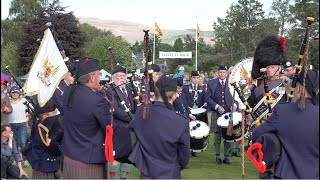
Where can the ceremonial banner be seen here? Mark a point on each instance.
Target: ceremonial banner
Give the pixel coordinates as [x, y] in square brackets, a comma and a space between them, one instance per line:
[182, 55]
[47, 70]
[157, 28]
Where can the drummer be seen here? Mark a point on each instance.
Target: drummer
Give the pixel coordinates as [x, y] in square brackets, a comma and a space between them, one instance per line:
[219, 101]
[180, 104]
[195, 96]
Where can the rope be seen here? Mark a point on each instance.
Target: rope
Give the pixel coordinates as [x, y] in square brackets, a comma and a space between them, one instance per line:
[242, 144]
[230, 125]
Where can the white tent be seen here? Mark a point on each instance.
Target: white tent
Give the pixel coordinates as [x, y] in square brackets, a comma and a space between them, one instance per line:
[104, 75]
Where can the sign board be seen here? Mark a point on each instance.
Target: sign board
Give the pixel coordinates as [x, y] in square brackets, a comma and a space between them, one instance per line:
[174, 55]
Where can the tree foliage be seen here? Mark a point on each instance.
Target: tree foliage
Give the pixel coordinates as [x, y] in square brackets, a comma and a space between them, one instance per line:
[98, 48]
[66, 26]
[280, 10]
[9, 57]
[25, 10]
[11, 31]
[239, 29]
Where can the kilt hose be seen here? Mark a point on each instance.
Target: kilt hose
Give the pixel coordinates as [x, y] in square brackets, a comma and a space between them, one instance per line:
[73, 169]
[42, 175]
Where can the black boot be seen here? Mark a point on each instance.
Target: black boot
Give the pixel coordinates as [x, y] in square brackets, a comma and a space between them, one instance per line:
[194, 154]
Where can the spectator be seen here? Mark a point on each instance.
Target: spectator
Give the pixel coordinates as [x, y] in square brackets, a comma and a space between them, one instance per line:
[9, 152]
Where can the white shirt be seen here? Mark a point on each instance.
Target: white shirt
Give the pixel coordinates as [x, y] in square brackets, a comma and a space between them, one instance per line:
[224, 81]
[18, 114]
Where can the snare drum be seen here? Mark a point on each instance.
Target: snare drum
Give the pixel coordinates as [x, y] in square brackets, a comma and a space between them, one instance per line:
[200, 113]
[223, 123]
[199, 136]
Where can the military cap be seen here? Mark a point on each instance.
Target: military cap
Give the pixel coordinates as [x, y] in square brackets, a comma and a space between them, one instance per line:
[166, 84]
[180, 81]
[223, 67]
[195, 73]
[87, 65]
[155, 68]
[119, 68]
[289, 63]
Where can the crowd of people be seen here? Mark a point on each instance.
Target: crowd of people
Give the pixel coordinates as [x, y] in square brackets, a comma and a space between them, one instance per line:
[90, 129]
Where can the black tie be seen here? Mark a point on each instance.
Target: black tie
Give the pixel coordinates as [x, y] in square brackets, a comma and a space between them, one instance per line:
[124, 92]
[222, 84]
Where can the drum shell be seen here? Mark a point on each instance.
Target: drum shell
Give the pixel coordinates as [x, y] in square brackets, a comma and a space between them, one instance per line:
[199, 139]
[222, 123]
[202, 117]
[236, 133]
[199, 145]
[200, 114]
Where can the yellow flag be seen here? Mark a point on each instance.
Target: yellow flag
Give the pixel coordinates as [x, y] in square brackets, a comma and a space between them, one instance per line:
[158, 29]
[198, 32]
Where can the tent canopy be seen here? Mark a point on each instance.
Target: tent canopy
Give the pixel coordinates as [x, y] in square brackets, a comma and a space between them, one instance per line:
[24, 77]
[104, 75]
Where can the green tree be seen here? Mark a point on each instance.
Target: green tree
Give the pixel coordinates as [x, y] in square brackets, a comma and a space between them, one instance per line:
[280, 11]
[11, 31]
[25, 10]
[137, 47]
[301, 10]
[178, 45]
[238, 30]
[98, 48]
[189, 43]
[157, 47]
[90, 32]
[66, 27]
[9, 57]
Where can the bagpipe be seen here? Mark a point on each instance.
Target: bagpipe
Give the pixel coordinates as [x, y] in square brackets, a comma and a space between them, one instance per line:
[135, 91]
[303, 49]
[148, 80]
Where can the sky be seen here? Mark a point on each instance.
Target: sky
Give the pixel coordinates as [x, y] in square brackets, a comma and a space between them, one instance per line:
[169, 14]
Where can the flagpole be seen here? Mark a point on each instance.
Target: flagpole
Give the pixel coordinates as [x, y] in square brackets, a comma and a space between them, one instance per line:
[154, 40]
[196, 46]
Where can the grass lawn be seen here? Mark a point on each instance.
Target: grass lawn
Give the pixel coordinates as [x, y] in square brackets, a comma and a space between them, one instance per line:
[204, 167]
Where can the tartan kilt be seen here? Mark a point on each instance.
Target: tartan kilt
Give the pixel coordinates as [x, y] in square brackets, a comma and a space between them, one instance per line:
[73, 169]
[214, 126]
[42, 175]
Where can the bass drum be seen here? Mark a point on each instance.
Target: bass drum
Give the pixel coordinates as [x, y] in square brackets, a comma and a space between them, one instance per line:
[241, 74]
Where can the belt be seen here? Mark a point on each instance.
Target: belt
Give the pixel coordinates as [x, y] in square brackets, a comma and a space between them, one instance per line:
[47, 114]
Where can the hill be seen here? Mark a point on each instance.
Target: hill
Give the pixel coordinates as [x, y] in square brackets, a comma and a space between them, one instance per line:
[133, 32]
